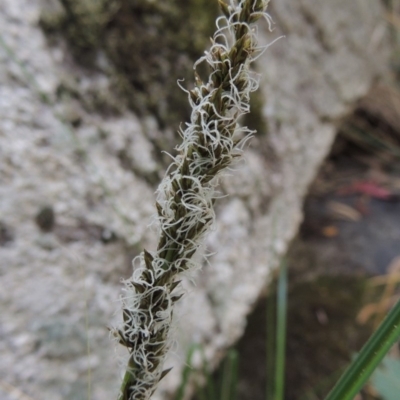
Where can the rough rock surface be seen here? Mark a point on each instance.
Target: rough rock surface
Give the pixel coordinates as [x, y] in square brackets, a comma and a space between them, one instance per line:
[76, 199]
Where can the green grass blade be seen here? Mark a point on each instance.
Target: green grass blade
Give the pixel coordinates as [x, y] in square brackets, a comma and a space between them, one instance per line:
[235, 374]
[229, 376]
[369, 358]
[281, 333]
[186, 372]
[270, 346]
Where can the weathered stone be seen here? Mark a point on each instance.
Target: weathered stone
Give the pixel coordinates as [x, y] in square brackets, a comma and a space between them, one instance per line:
[98, 170]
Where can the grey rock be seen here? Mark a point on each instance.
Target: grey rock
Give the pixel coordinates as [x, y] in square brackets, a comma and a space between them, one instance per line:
[55, 294]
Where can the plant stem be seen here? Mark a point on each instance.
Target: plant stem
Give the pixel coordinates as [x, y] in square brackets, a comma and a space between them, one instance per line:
[369, 358]
[211, 142]
[270, 343]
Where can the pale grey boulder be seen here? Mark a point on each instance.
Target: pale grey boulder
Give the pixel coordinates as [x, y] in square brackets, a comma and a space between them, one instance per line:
[60, 274]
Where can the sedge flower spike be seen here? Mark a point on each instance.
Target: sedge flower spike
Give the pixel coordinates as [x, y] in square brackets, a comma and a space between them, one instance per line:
[211, 141]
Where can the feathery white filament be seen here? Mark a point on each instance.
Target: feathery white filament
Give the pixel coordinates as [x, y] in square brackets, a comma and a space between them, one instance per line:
[211, 142]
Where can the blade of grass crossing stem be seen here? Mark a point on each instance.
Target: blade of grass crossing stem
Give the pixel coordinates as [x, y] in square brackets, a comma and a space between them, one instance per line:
[229, 376]
[369, 358]
[281, 333]
[270, 345]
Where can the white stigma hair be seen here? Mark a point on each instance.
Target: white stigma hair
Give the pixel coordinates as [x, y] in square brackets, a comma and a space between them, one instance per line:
[211, 141]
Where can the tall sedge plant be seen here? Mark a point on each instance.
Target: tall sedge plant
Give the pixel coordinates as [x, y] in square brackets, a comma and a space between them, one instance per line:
[211, 141]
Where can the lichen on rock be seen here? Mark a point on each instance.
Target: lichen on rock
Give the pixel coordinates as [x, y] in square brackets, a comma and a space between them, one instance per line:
[150, 45]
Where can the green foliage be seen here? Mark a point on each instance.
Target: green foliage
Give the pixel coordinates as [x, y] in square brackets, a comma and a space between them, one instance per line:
[222, 385]
[369, 357]
[385, 380]
[212, 140]
[209, 387]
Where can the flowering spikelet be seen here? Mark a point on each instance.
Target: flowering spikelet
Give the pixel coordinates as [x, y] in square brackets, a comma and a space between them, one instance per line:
[211, 141]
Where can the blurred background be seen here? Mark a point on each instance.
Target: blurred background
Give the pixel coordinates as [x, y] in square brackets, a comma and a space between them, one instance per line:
[89, 113]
